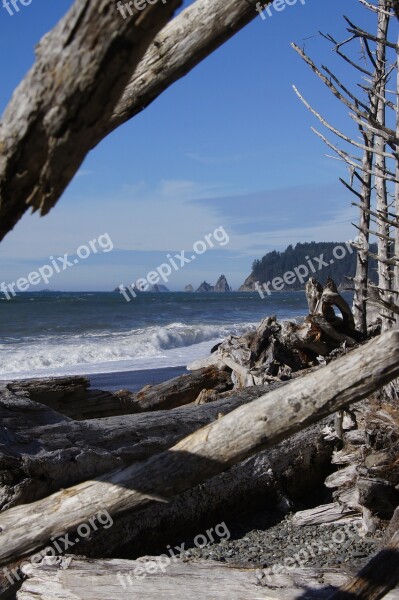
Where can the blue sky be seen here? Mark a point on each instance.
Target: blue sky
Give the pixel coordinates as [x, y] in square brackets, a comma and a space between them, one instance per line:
[229, 145]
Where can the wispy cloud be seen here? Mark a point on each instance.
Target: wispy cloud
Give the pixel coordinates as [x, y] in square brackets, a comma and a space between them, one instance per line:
[83, 173]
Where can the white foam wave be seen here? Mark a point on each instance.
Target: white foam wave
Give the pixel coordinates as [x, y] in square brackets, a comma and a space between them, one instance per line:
[104, 352]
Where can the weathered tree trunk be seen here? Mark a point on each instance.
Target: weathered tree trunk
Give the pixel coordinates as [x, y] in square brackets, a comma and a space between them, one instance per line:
[313, 291]
[384, 276]
[362, 258]
[211, 450]
[83, 67]
[73, 398]
[206, 580]
[329, 298]
[275, 479]
[396, 229]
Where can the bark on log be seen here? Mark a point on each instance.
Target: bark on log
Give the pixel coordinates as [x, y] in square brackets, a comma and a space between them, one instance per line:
[42, 130]
[54, 117]
[45, 452]
[211, 450]
[205, 580]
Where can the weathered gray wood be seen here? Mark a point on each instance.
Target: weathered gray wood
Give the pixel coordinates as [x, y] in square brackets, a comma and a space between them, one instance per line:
[277, 351]
[56, 113]
[313, 291]
[46, 452]
[331, 297]
[274, 479]
[72, 397]
[183, 389]
[85, 36]
[71, 578]
[283, 474]
[343, 477]
[332, 513]
[211, 450]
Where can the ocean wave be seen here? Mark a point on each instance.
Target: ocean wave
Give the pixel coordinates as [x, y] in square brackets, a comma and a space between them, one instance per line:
[170, 345]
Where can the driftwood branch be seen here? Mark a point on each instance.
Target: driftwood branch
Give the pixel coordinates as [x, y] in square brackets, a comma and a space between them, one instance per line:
[209, 451]
[58, 125]
[55, 115]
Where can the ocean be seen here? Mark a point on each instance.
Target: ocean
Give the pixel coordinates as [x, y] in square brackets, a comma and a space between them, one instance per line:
[55, 334]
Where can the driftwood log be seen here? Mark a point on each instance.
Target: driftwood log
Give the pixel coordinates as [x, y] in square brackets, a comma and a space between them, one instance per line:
[183, 389]
[72, 396]
[243, 432]
[148, 578]
[94, 35]
[44, 452]
[82, 68]
[275, 479]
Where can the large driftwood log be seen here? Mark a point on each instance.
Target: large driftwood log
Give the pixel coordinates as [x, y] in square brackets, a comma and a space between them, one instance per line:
[153, 577]
[72, 396]
[55, 115]
[183, 389]
[92, 55]
[211, 450]
[44, 452]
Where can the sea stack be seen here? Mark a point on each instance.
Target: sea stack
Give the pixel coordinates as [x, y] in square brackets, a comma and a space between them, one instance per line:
[189, 288]
[221, 285]
[205, 287]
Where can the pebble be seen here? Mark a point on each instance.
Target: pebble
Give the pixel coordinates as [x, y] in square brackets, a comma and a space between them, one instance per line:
[314, 546]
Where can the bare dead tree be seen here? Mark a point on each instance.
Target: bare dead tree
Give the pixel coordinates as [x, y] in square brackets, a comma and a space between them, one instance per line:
[378, 104]
[371, 174]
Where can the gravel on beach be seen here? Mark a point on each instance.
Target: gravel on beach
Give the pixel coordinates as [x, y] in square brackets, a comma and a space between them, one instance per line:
[263, 546]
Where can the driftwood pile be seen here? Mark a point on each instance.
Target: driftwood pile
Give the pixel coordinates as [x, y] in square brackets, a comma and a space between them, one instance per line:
[164, 462]
[278, 351]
